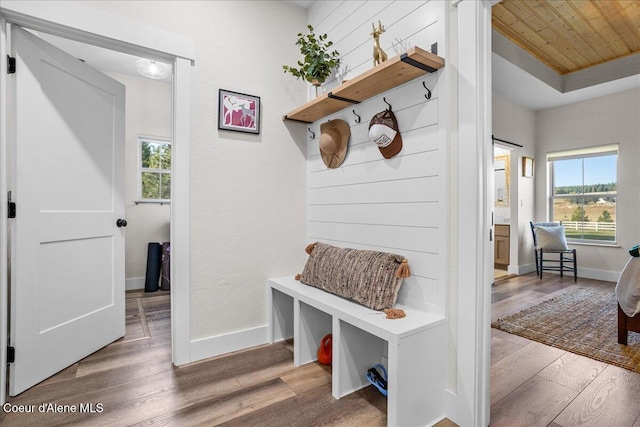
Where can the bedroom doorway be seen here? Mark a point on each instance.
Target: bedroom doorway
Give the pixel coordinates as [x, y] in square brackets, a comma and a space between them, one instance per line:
[502, 186]
[175, 49]
[144, 166]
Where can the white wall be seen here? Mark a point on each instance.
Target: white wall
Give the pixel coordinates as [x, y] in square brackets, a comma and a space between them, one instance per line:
[148, 112]
[515, 123]
[604, 120]
[247, 191]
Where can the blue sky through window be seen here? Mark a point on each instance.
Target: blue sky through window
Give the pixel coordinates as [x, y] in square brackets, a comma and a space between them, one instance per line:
[597, 170]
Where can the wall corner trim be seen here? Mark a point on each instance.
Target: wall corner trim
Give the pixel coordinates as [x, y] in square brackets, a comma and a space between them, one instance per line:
[204, 348]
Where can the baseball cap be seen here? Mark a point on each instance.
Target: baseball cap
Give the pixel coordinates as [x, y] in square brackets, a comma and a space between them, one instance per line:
[383, 131]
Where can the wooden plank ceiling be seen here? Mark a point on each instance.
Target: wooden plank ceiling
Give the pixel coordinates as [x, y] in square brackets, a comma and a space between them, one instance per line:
[570, 35]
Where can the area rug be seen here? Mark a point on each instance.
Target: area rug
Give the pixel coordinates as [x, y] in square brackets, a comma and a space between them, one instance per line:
[582, 321]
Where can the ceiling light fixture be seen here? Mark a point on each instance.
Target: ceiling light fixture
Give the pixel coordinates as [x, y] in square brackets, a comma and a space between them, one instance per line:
[153, 69]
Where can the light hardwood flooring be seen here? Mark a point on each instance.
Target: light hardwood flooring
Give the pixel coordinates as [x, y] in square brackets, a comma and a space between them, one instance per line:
[536, 385]
[134, 381]
[499, 273]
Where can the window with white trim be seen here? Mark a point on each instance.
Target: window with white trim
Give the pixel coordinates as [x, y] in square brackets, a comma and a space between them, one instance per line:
[154, 169]
[584, 192]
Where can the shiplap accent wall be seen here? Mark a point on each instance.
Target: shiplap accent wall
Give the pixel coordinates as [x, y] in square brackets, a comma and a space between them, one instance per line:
[395, 205]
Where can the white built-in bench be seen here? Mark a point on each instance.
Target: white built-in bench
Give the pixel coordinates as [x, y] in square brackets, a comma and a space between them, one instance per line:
[413, 349]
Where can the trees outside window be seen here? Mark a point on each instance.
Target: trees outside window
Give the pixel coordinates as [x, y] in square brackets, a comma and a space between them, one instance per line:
[154, 169]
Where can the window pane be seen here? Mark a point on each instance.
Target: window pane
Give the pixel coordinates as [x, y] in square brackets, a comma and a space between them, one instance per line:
[150, 185]
[152, 154]
[165, 156]
[600, 174]
[603, 225]
[567, 176]
[148, 151]
[573, 229]
[165, 190]
[591, 214]
[563, 209]
[155, 162]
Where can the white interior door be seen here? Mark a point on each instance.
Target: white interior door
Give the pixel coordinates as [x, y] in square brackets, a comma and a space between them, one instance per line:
[67, 264]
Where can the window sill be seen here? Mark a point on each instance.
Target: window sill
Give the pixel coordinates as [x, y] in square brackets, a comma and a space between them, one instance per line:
[157, 202]
[603, 245]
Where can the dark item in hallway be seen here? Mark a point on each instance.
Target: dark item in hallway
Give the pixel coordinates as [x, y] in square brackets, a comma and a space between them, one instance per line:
[154, 263]
[165, 278]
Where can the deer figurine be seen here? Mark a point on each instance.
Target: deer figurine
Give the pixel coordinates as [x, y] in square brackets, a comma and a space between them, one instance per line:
[378, 54]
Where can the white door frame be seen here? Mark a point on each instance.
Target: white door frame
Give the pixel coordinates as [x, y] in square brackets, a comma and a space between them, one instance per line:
[117, 33]
[475, 254]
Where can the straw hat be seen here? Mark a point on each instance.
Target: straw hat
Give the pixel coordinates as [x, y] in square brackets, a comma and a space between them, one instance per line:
[334, 140]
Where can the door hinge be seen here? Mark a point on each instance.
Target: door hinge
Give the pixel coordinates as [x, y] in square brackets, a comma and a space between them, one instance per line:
[11, 354]
[11, 207]
[11, 65]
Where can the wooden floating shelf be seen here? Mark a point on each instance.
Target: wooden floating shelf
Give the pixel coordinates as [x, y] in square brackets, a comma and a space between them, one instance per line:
[391, 73]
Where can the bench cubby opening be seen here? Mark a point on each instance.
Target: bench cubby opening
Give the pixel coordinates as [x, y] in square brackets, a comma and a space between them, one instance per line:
[355, 352]
[314, 325]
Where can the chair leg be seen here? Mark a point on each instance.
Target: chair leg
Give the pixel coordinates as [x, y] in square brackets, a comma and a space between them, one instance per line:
[541, 262]
[561, 265]
[575, 267]
[537, 262]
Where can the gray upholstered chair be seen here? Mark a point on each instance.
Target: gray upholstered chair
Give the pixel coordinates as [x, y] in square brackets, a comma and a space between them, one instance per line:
[551, 249]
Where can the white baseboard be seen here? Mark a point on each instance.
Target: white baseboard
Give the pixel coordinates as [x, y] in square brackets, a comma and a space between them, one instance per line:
[205, 348]
[450, 404]
[525, 269]
[587, 273]
[590, 273]
[134, 283]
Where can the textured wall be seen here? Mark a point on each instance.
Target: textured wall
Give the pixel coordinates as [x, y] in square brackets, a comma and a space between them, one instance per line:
[599, 121]
[247, 208]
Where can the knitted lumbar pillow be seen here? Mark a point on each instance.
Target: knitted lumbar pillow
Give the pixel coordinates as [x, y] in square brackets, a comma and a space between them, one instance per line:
[370, 278]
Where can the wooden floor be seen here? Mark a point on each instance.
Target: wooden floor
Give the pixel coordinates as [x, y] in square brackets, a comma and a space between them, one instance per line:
[135, 383]
[536, 385]
[132, 381]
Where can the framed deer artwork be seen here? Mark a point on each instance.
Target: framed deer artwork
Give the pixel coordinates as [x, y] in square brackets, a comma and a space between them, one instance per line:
[238, 112]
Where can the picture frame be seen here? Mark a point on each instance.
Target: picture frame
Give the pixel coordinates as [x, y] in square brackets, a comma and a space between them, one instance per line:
[238, 112]
[527, 167]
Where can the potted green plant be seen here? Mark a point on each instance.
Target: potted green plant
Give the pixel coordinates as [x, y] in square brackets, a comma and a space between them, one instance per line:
[318, 62]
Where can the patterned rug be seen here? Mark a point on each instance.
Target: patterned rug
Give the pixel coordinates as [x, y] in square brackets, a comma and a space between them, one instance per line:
[581, 320]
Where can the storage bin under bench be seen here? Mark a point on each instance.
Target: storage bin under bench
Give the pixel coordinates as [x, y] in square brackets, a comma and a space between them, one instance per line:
[412, 348]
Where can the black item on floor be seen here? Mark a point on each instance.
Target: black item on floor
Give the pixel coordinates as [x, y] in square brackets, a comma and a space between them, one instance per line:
[154, 261]
[165, 278]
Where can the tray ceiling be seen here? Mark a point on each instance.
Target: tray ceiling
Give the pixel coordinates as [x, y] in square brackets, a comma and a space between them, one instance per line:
[570, 35]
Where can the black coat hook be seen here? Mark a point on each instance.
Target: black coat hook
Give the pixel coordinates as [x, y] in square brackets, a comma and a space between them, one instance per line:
[428, 95]
[385, 101]
[313, 134]
[358, 120]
